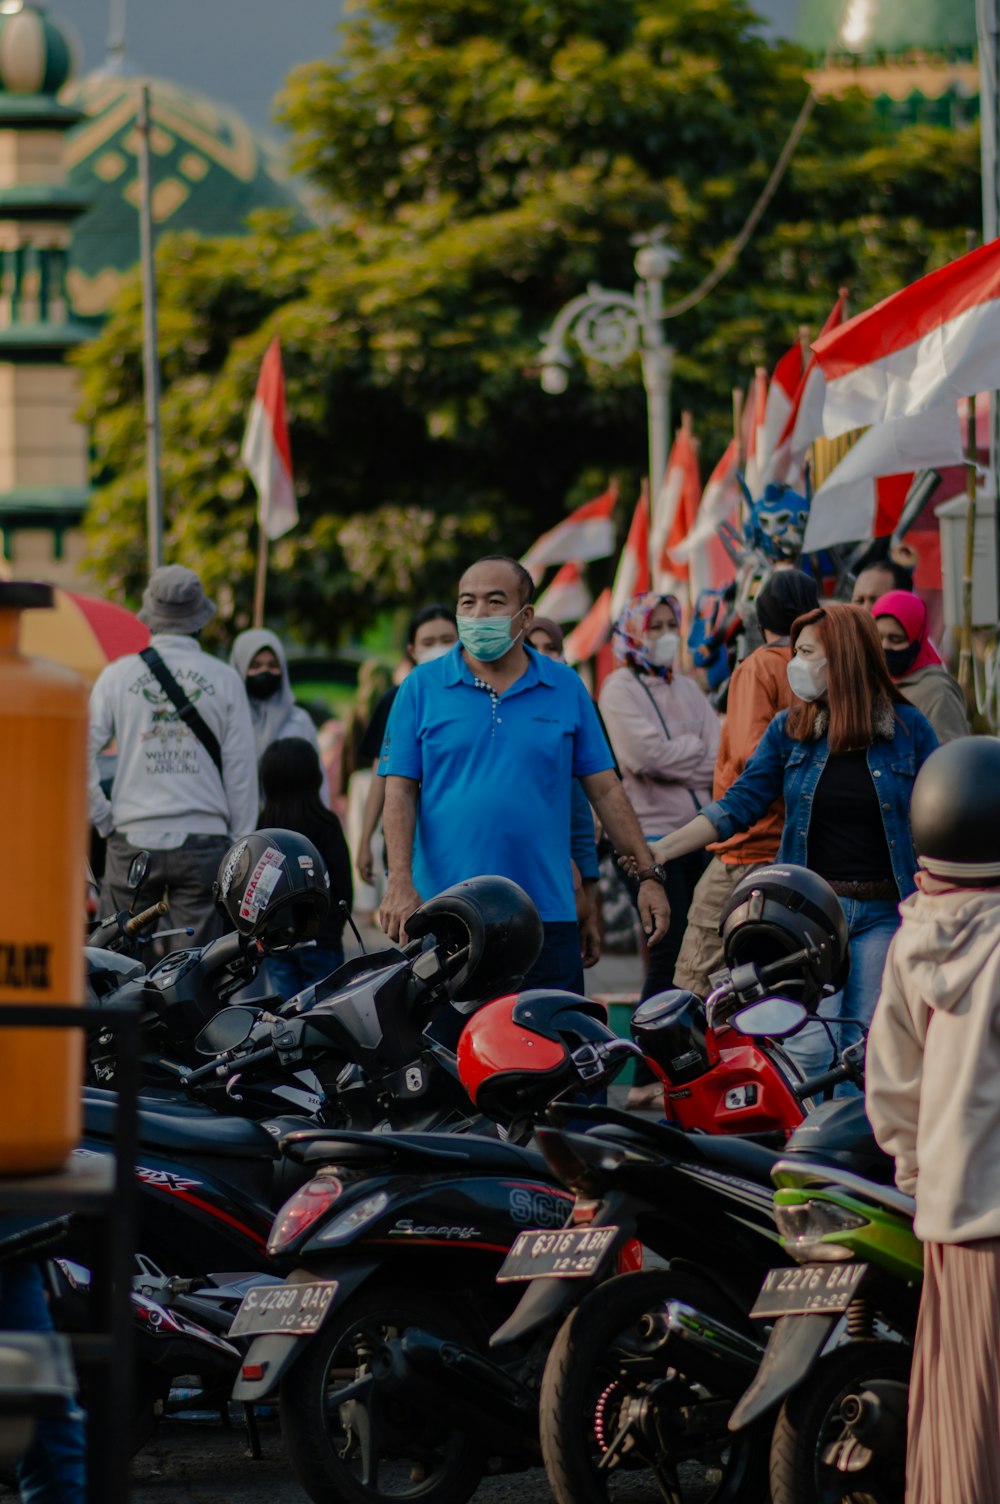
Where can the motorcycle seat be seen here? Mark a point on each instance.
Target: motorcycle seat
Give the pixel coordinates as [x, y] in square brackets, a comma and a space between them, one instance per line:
[738, 1155]
[202, 1134]
[461, 1150]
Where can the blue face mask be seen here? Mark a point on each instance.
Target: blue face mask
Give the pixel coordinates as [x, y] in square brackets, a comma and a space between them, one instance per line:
[487, 637]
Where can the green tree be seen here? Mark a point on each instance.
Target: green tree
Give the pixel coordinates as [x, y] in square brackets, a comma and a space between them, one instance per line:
[477, 164]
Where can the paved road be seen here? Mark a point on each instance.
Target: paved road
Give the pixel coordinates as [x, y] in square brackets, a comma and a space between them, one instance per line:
[202, 1464]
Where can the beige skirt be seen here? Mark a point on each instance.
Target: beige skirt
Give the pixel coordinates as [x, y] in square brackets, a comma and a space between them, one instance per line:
[953, 1447]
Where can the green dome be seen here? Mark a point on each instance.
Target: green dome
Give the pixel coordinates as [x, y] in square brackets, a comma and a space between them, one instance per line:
[869, 26]
[209, 172]
[35, 56]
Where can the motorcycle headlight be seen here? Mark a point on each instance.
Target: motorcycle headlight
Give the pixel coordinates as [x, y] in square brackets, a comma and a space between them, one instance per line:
[806, 1226]
[354, 1218]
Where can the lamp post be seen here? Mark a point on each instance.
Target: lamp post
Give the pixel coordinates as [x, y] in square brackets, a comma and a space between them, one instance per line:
[610, 326]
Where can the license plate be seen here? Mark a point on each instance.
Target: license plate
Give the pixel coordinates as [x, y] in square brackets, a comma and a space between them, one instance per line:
[294, 1310]
[572, 1252]
[809, 1290]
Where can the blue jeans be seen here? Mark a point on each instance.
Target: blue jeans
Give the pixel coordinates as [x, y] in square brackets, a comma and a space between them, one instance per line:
[299, 968]
[560, 964]
[53, 1470]
[870, 927]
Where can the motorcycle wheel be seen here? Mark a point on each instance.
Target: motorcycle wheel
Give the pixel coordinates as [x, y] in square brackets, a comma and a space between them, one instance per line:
[809, 1424]
[389, 1447]
[613, 1409]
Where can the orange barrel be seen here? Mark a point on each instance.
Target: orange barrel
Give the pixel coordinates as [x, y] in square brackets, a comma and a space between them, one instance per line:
[43, 776]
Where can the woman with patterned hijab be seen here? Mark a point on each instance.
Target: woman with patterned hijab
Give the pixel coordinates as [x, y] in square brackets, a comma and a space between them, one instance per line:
[665, 736]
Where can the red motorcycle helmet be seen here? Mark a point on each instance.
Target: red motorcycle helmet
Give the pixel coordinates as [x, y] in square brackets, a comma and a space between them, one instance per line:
[520, 1051]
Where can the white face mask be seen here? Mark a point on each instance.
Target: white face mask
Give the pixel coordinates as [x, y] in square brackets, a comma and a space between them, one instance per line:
[428, 655]
[807, 678]
[663, 649]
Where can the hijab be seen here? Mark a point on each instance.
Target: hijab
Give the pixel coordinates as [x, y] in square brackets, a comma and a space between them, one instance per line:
[911, 613]
[269, 717]
[628, 636]
[552, 630]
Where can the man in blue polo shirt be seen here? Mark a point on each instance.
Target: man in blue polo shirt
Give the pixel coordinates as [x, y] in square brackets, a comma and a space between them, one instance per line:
[479, 757]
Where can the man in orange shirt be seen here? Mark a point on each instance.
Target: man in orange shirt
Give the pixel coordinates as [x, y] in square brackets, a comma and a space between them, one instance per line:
[757, 691]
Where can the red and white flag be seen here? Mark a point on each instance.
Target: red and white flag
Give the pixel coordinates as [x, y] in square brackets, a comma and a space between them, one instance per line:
[932, 342]
[590, 635]
[780, 400]
[721, 501]
[805, 420]
[587, 533]
[863, 496]
[266, 451]
[678, 505]
[632, 575]
[755, 416]
[567, 597]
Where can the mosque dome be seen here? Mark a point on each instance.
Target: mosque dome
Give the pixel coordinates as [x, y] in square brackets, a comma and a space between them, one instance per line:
[35, 55]
[210, 171]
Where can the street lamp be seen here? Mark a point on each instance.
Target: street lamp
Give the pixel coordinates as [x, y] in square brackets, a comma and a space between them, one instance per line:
[610, 326]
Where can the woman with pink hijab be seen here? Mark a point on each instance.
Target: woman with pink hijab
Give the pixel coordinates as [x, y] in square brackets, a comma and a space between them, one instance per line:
[915, 665]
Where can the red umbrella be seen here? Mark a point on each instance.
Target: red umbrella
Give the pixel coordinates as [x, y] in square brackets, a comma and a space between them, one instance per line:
[82, 631]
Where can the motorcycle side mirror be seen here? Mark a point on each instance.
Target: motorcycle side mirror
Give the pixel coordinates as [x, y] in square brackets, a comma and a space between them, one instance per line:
[774, 1017]
[229, 1027]
[137, 872]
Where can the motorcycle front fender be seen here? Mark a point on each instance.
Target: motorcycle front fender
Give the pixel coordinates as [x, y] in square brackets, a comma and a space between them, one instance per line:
[274, 1353]
[796, 1342]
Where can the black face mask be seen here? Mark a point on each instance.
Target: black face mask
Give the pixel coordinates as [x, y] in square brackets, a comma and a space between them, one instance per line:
[263, 685]
[900, 659]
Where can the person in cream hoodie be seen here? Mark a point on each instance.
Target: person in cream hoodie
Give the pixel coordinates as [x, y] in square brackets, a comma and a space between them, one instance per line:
[933, 1098]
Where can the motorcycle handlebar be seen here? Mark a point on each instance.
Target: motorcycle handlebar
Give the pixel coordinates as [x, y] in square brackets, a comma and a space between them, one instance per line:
[221, 1069]
[139, 921]
[832, 1077]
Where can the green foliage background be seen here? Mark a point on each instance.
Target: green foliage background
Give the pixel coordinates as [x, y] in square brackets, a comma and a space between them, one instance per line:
[475, 164]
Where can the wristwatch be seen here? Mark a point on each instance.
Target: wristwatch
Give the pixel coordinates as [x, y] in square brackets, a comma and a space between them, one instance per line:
[656, 873]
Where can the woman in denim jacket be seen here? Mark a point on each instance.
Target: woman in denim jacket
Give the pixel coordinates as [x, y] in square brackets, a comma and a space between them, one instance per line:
[844, 757]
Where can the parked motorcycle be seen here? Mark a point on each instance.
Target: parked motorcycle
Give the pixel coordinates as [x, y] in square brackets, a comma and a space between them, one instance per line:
[377, 1343]
[840, 1434]
[644, 1372]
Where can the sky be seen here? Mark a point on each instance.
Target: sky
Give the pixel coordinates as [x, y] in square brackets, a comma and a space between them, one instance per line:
[237, 51]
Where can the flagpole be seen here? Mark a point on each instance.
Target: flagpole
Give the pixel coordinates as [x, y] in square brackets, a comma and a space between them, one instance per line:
[260, 588]
[965, 675]
[150, 358]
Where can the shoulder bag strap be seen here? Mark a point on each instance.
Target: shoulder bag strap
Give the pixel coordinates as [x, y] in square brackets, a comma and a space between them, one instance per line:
[187, 712]
[666, 733]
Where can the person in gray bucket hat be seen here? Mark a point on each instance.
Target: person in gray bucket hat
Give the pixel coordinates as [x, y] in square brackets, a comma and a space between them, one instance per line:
[185, 786]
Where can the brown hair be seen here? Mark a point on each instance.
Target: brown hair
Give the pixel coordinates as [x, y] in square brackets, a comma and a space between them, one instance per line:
[858, 683]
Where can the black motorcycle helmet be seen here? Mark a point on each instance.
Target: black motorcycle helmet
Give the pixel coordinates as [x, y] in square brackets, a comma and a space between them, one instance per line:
[955, 812]
[275, 888]
[516, 1054]
[669, 1028]
[498, 923]
[776, 911]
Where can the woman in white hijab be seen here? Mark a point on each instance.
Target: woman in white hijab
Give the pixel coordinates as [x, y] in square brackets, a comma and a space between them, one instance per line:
[259, 659]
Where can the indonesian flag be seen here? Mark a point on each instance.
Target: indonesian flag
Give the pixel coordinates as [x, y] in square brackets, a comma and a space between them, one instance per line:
[587, 533]
[678, 504]
[590, 635]
[805, 421]
[266, 452]
[780, 400]
[632, 575]
[567, 598]
[863, 496]
[932, 342]
[756, 416]
[721, 501]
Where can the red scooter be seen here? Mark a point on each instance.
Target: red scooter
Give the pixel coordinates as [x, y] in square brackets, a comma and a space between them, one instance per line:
[716, 1077]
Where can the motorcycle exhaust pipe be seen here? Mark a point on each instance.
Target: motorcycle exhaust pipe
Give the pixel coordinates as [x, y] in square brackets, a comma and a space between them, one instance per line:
[712, 1351]
[502, 1410]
